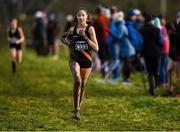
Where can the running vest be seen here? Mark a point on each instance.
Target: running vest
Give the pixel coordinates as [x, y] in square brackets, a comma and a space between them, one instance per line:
[81, 51]
[14, 35]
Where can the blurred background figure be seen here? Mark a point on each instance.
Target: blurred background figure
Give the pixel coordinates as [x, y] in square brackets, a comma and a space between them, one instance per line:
[15, 38]
[39, 33]
[163, 77]
[121, 48]
[174, 53]
[110, 41]
[69, 22]
[114, 52]
[114, 46]
[152, 47]
[136, 40]
[52, 30]
[101, 25]
[139, 22]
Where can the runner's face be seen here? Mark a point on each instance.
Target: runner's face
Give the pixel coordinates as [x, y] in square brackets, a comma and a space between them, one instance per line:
[14, 23]
[82, 16]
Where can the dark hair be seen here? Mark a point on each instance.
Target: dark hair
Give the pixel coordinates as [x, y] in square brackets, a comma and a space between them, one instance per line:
[113, 9]
[14, 19]
[148, 18]
[98, 9]
[161, 16]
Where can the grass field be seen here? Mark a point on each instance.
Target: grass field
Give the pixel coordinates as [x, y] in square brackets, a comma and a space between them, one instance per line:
[39, 97]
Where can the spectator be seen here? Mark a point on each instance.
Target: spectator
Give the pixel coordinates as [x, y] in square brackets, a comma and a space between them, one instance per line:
[102, 29]
[152, 47]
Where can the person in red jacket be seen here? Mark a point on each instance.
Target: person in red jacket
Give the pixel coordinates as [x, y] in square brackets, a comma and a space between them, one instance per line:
[164, 54]
[101, 25]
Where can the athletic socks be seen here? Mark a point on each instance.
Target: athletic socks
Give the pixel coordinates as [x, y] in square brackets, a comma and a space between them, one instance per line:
[13, 67]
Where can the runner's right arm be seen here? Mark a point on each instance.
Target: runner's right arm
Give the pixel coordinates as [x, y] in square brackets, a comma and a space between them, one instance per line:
[65, 37]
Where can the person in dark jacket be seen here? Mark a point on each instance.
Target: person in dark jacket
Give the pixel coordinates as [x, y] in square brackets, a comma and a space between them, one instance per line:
[174, 53]
[152, 47]
[39, 33]
[52, 30]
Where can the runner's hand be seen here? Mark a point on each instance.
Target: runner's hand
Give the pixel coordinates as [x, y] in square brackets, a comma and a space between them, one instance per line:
[82, 33]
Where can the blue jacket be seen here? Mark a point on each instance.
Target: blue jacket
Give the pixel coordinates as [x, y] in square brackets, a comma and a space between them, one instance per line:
[112, 27]
[121, 39]
[139, 24]
[134, 36]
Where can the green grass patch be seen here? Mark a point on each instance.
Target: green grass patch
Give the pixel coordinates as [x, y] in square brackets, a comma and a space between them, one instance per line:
[39, 97]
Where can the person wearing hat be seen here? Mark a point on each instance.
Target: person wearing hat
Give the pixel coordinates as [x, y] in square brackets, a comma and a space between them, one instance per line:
[139, 22]
[134, 34]
[132, 14]
[151, 51]
[121, 46]
[114, 47]
[135, 39]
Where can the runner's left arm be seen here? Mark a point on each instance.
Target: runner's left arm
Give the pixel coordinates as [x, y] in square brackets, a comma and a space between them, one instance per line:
[21, 36]
[93, 40]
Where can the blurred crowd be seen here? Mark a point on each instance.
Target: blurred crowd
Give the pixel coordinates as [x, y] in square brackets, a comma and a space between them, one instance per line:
[44, 32]
[135, 41]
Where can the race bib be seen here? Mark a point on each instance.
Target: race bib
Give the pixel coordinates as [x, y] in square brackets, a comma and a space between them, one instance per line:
[13, 40]
[81, 45]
